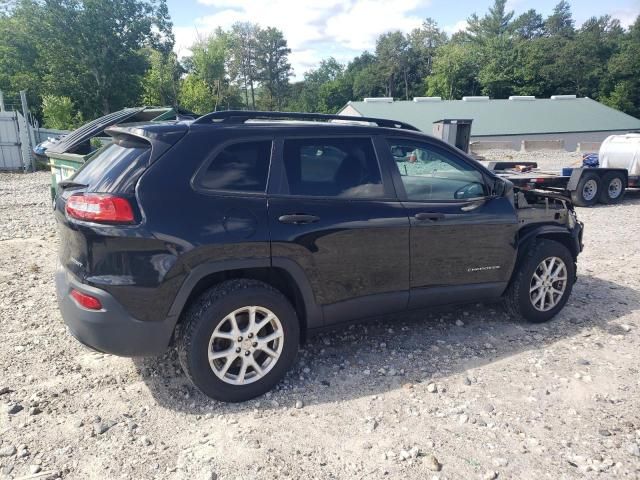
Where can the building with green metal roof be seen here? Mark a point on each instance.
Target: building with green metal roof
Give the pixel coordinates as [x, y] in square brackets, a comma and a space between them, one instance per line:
[562, 117]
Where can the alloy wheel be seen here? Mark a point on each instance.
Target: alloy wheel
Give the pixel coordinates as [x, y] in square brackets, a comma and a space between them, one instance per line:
[246, 345]
[548, 284]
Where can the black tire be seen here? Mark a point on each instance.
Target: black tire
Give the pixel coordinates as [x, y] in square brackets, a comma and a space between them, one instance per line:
[583, 196]
[517, 299]
[209, 311]
[613, 188]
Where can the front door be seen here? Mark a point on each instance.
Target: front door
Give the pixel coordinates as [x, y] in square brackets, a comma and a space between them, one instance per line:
[332, 213]
[463, 241]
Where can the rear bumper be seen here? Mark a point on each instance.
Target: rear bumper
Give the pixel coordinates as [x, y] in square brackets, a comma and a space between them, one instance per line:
[111, 329]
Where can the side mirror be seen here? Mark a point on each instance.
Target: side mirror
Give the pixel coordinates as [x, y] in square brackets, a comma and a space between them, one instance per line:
[499, 188]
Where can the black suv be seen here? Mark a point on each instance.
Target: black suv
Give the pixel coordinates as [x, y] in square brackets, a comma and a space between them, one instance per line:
[236, 234]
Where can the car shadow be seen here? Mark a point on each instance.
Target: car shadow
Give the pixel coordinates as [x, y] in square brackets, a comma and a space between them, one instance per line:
[370, 358]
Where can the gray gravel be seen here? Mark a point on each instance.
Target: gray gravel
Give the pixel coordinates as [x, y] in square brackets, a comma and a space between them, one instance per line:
[552, 161]
[463, 393]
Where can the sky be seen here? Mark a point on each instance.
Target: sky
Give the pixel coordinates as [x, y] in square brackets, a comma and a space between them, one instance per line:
[317, 29]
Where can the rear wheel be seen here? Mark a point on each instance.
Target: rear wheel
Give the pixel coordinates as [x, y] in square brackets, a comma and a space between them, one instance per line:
[613, 187]
[542, 283]
[238, 340]
[587, 191]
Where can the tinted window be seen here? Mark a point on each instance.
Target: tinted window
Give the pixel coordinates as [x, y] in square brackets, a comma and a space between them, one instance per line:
[432, 173]
[115, 169]
[239, 167]
[332, 167]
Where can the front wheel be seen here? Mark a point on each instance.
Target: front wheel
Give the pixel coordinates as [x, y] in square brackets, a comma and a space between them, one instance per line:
[238, 340]
[542, 283]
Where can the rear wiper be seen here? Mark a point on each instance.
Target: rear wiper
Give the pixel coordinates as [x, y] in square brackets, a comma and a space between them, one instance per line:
[70, 184]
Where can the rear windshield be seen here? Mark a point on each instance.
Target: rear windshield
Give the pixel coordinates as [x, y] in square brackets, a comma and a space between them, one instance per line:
[114, 169]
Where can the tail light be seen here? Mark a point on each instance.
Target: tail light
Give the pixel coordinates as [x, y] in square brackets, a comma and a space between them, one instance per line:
[101, 208]
[86, 301]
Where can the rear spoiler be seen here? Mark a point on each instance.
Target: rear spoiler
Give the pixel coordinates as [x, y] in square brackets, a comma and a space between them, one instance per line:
[160, 136]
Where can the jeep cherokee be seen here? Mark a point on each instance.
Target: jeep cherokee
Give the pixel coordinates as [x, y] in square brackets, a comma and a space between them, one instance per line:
[234, 235]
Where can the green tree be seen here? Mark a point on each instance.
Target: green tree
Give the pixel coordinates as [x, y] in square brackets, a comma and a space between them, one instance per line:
[455, 72]
[497, 72]
[335, 94]
[243, 52]
[161, 83]
[195, 95]
[117, 53]
[492, 39]
[493, 24]
[21, 64]
[392, 52]
[560, 22]
[423, 44]
[623, 74]
[366, 78]
[272, 66]
[528, 26]
[327, 71]
[58, 113]
[208, 62]
[585, 58]
[102, 66]
[368, 82]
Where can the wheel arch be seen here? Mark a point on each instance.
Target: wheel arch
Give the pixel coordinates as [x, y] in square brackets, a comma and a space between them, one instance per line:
[551, 232]
[538, 246]
[283, 274]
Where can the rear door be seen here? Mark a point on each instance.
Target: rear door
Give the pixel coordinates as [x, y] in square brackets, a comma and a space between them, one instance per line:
[463, 240]
[333, 211]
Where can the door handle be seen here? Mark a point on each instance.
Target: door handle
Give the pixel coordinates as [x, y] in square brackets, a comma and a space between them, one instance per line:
[429, 216]
[298, 219]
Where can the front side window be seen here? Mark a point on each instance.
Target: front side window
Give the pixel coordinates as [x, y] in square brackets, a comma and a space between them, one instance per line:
[332, 167]
[431, 173]
[239, 167]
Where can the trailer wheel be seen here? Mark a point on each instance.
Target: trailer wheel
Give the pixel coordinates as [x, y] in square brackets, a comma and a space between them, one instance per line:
[613, 188]
[586, 193]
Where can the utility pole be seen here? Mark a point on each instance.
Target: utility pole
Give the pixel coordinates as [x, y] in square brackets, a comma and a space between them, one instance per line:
[1, 101]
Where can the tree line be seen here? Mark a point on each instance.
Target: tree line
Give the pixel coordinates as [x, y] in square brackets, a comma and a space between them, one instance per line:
[79, 59]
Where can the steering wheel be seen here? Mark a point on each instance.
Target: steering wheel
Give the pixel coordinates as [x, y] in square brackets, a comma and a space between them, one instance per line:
[470, 190]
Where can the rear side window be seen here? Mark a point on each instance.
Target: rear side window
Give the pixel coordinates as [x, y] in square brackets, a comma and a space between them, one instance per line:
[332, 167]
[239, 167]
[116, 168]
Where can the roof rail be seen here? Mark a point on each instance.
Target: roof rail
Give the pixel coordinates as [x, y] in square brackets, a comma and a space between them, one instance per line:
[241, 116]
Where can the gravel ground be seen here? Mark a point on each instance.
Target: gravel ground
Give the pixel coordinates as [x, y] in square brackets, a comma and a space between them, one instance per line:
[548, 161]
[463, 393]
